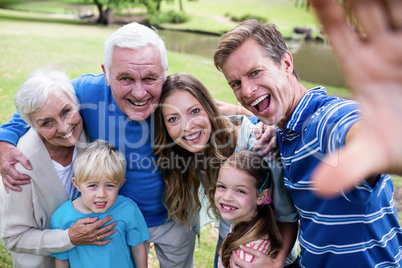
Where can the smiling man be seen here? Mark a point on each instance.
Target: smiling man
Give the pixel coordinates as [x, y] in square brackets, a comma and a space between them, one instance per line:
[359, 228]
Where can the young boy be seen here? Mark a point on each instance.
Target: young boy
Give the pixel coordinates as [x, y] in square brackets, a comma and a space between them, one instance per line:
[99, 171]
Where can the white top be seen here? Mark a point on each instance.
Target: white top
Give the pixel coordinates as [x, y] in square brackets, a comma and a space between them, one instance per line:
[65, 175]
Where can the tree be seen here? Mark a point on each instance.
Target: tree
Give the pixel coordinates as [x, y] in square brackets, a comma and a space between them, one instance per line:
[105, 12]
[107, 8]
[153, 6]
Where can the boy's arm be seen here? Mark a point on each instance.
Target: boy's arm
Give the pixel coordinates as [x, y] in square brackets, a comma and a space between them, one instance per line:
[10, 155]
[140, 255]
[62, 264]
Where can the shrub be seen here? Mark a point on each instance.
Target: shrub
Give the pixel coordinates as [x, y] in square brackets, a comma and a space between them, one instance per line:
[168, 17]
[246, 17]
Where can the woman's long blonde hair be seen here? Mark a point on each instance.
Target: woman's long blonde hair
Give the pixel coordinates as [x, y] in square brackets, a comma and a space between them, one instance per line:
[182, 184]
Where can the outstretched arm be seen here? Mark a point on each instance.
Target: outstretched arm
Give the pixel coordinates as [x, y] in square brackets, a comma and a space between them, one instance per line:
[373, 70]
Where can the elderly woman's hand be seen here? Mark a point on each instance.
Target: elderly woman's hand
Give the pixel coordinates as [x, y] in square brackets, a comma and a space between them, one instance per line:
[89, 231]
[9, 156]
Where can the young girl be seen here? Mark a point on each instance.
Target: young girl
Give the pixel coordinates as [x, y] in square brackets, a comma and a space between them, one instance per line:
[192, 139]
[242, 196]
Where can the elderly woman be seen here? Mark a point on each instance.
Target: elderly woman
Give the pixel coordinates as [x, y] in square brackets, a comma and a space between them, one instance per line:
[47, 102]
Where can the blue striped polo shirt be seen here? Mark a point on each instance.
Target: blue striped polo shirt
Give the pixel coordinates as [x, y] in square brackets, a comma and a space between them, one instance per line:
[357, 229]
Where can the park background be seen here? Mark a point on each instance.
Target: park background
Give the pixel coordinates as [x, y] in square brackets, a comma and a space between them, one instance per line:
[68, 35]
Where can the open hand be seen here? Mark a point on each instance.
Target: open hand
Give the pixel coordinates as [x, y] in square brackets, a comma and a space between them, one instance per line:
[89, 231]
[373, 70]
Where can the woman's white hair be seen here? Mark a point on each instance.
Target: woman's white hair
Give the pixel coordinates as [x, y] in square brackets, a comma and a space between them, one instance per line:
[133, 36]
[34, 92]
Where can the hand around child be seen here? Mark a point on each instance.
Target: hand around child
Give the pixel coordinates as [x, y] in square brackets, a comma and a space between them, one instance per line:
[373, 70]
[261, 260]
[89, 231]
[9, 156]
[268, 141]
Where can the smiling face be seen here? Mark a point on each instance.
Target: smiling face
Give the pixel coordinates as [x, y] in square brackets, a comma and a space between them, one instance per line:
[186, 121]
[97, 196]
[136, 79]
[58, 122]
[261, 85]
[236, 195]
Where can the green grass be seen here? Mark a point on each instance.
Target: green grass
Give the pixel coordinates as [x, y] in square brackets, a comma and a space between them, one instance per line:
[281, 12]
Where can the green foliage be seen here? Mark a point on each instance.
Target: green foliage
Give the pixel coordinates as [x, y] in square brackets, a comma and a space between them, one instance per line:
[246, 17]
[170, 16]
[5, 257]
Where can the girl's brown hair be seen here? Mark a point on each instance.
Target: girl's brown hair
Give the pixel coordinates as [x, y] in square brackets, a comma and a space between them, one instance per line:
[264, 222]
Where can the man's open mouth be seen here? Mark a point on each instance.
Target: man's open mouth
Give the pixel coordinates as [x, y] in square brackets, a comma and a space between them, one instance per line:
[262, 103]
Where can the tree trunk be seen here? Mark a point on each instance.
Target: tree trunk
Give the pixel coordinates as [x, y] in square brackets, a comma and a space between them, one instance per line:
[101, 18]
[181, 5]
[109, 16]
[158, 5]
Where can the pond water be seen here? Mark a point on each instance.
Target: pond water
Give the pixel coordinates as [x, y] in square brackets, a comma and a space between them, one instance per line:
[314, 62]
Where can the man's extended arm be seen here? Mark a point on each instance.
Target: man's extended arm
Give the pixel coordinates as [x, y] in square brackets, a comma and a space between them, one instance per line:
[373, 70]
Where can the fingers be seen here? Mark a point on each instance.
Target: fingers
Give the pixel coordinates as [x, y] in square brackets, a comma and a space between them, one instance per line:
[24, 161]
[259, 130]
[89, 231]
[235, 261]
[99, 239]
[107, 230]
[267, 150]
[341, 35]
[103, 221]
[267, 142]
[372, 17]
[86, 221]
[96, 226]
[395, 9]
[102, 242]
[16, 178]
[251, 251]
[275, 153]
[8, 186]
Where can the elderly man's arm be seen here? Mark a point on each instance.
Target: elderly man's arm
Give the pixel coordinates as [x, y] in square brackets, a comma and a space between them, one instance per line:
[372, 63]
[232, 109]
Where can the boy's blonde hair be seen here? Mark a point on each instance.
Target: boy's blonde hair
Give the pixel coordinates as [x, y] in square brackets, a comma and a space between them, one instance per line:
[98, 159]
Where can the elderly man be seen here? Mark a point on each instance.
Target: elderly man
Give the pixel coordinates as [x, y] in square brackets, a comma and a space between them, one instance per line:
[360, 227]
[116, 106]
